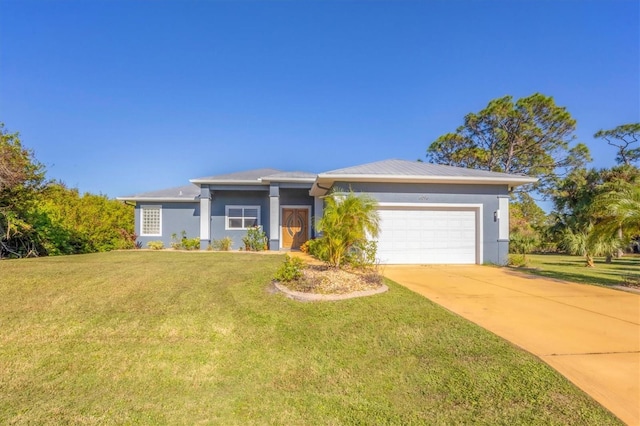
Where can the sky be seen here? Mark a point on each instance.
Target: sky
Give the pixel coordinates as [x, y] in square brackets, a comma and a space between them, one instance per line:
[120, 97]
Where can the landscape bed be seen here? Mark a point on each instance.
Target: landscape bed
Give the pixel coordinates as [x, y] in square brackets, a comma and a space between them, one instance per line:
[186, 338]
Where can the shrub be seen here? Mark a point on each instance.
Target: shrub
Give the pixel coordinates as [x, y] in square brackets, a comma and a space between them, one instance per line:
[223, 244]
[318, 249]
[184, 243]
[155, 245]
[362, 254]
[517, 260]
[255, 240]
[290, 270]
[305, 247]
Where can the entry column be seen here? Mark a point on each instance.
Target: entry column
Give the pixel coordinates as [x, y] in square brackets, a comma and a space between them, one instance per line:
[205, 218]
[274, 217]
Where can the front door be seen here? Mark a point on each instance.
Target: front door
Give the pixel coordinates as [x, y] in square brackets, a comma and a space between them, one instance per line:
[295, 227]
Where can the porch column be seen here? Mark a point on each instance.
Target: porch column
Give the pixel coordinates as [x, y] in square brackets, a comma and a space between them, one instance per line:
[274, 217]
[205, 218]
[318, 207]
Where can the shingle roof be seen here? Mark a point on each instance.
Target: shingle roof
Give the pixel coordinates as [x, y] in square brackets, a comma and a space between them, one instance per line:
[186, 193]
[413, 168]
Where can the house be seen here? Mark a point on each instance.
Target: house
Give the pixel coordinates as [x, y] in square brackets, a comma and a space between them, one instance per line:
[429, 213]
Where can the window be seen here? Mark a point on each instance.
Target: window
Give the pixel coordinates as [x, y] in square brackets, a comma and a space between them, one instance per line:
[242, 217]
[151, 221]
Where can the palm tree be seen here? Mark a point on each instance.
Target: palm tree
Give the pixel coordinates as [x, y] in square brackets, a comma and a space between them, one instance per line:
[589, 243]
[618, 212]
[347, 220]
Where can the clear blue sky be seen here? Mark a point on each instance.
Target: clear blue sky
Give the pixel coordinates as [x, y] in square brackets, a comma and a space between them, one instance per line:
[119, 97]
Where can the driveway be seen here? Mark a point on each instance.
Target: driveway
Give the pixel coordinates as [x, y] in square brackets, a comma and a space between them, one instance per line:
[589, 334]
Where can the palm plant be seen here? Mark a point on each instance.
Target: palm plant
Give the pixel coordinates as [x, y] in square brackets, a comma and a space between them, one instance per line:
[588, 243]
[348, 219]
[618, 211]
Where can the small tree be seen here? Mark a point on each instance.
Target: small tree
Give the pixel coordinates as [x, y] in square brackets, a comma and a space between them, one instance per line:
[348, 220]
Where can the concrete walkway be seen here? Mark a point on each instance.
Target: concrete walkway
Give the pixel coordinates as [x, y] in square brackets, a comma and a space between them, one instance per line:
[589, 334]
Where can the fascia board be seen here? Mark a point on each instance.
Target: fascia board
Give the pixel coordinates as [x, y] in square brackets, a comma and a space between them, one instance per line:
[159, 199]
[226, 182]
[476, 180]
[289, 180]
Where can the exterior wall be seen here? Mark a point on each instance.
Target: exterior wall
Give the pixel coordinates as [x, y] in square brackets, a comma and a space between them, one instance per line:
[221, 199]
[494, 249]
[176, 217]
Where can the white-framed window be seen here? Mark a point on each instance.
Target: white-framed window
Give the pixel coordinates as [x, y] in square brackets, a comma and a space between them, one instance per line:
[242, 217]
[151, 221]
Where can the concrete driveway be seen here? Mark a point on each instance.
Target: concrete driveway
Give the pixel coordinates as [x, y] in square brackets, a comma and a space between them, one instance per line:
[589, 334]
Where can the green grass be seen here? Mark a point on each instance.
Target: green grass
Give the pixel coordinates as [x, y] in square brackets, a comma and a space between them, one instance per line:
[193, 338]
[572, 268]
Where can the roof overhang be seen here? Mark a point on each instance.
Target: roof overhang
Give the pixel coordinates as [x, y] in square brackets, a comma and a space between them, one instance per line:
[324, 181]
[158, 199]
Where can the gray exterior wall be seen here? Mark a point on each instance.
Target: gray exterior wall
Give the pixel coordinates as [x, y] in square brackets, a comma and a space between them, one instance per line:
[176, 217]
[221, 199]
[494, 250]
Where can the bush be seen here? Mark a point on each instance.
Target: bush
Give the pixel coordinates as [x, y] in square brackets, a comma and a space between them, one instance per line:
[155, 245]
[255, 240]
[517, 260]
[305, 247]
[184, 243]
[290, 270]
[362, 254]
[223, 244]
[318, 249]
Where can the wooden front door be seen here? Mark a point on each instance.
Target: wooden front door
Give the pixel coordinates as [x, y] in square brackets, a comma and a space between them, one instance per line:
[295, 227]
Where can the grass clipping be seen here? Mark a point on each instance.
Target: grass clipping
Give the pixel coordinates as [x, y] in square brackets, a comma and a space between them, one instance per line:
[323, 279]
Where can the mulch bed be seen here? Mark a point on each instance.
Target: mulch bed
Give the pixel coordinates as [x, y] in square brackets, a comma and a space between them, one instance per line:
[322, 279]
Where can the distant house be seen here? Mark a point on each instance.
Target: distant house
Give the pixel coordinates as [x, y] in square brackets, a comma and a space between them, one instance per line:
[429, 213]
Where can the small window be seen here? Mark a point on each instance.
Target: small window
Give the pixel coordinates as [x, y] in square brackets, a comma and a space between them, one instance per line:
[151, 221]
[242, 217]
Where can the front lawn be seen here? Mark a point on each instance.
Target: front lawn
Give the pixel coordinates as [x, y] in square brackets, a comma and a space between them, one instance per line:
[572, 268]
[191, 338]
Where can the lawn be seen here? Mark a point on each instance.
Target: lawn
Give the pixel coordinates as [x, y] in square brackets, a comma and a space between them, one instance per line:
[572, 268]
[192, 338]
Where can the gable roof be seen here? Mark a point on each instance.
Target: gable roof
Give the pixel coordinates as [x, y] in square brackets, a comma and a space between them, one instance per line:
[403, 171]
[179, 194]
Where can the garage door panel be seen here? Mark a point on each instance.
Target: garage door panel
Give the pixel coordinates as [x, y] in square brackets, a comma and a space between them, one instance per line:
[417, 236]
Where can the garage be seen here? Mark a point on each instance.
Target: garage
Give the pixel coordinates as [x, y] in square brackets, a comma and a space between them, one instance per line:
[419, 235]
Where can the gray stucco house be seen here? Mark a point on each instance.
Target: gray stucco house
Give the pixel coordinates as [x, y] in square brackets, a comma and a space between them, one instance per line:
[429, 213]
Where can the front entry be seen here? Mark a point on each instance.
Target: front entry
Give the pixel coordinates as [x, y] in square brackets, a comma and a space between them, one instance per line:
[295, 227]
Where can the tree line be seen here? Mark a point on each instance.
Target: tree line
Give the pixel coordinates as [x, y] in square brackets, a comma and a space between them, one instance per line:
[43, 217]
[596, 212]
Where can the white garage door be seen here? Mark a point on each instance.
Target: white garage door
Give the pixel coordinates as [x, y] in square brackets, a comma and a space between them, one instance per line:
[417, 236]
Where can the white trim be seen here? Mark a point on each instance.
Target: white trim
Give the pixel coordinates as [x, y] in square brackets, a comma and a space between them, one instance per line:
[447, 206]
[290, 206]
[159, 200]
[233, 206]
[142, 209]
[327, 180]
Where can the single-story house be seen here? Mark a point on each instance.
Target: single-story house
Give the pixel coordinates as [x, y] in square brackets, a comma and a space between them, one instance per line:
[429, 213]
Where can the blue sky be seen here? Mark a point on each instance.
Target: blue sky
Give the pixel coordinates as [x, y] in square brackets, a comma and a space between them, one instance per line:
[119, 97]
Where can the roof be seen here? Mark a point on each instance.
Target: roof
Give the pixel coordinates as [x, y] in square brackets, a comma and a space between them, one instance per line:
[390, 171]
[245, 177]
[180, 193]
[403, 171]
[290, 177]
